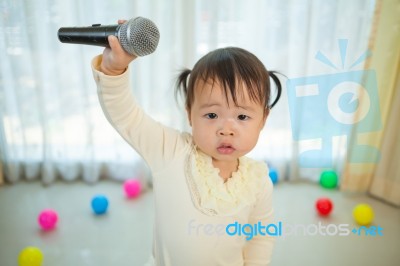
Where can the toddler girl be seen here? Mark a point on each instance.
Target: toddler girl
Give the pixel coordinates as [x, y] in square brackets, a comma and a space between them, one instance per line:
[202, 180]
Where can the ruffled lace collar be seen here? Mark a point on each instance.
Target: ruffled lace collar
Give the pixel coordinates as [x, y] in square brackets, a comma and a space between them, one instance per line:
[211, 195]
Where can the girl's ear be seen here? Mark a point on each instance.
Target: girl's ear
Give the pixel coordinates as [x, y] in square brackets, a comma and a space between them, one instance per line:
[188, 115]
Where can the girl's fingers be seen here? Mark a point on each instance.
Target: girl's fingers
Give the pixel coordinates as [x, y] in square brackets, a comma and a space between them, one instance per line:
[114, 43]
[121, 21]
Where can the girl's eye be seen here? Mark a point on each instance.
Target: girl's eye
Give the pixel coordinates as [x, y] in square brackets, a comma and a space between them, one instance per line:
[243, 117]
[211, 116]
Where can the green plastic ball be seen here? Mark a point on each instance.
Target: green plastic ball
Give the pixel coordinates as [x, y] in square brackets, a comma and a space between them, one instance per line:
[328, 179]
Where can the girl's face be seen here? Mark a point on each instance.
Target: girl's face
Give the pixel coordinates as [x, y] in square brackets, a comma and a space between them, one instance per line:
[225, 132]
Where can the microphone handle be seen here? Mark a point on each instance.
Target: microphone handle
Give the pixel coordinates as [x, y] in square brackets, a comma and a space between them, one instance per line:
[92, 35]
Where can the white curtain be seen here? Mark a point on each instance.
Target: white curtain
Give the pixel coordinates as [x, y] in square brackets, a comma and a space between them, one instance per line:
[51, 123]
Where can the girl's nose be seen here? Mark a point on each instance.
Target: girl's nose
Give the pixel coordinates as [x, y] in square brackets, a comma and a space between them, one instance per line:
[225, 132]
[226, 129]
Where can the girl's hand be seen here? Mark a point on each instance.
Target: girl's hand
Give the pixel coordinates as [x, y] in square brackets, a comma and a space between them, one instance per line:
[115, 59]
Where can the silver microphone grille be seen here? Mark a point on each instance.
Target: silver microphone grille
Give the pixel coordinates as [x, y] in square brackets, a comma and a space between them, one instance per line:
[139, 36]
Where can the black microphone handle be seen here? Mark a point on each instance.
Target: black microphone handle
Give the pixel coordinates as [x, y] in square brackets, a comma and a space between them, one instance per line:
[92, 35]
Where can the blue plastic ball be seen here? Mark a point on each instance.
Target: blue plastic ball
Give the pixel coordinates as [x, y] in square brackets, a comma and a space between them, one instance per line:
[273, 174]
[99, 204]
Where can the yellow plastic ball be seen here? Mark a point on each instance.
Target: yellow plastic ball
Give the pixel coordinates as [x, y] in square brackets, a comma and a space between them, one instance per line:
[363, 214]
[30, 256]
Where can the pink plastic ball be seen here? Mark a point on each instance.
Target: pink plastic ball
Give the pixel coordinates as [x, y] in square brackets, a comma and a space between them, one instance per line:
[132, 188]
[47, 219]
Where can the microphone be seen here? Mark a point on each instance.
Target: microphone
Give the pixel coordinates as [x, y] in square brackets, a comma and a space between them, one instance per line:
[138, 36]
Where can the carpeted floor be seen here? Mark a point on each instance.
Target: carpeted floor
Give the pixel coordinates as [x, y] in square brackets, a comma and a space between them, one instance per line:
[123, 236]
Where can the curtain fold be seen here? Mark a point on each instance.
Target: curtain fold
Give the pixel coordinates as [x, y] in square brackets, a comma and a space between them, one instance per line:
[318, 86]
[52, 125]
[386, 179]
[379, 176]
[1, 173]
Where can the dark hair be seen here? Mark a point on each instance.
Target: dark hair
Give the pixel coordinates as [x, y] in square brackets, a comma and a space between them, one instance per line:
[231, 67]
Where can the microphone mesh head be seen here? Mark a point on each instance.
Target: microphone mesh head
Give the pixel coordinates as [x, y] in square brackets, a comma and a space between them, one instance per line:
[139, 36]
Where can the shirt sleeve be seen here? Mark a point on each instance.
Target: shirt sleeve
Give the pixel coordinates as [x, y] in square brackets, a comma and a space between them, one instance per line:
[258, 250]
[155, 142]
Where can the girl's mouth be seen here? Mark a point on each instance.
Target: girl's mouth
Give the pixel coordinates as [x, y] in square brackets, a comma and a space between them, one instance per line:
[225, 149]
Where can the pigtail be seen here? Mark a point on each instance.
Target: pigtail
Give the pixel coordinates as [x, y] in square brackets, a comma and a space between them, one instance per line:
[181, 84]
[278, 84]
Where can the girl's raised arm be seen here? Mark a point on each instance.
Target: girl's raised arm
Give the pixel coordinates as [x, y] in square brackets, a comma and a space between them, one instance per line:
[155, 142]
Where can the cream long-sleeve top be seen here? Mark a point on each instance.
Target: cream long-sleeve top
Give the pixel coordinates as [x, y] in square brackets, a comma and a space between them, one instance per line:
[193, 204]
